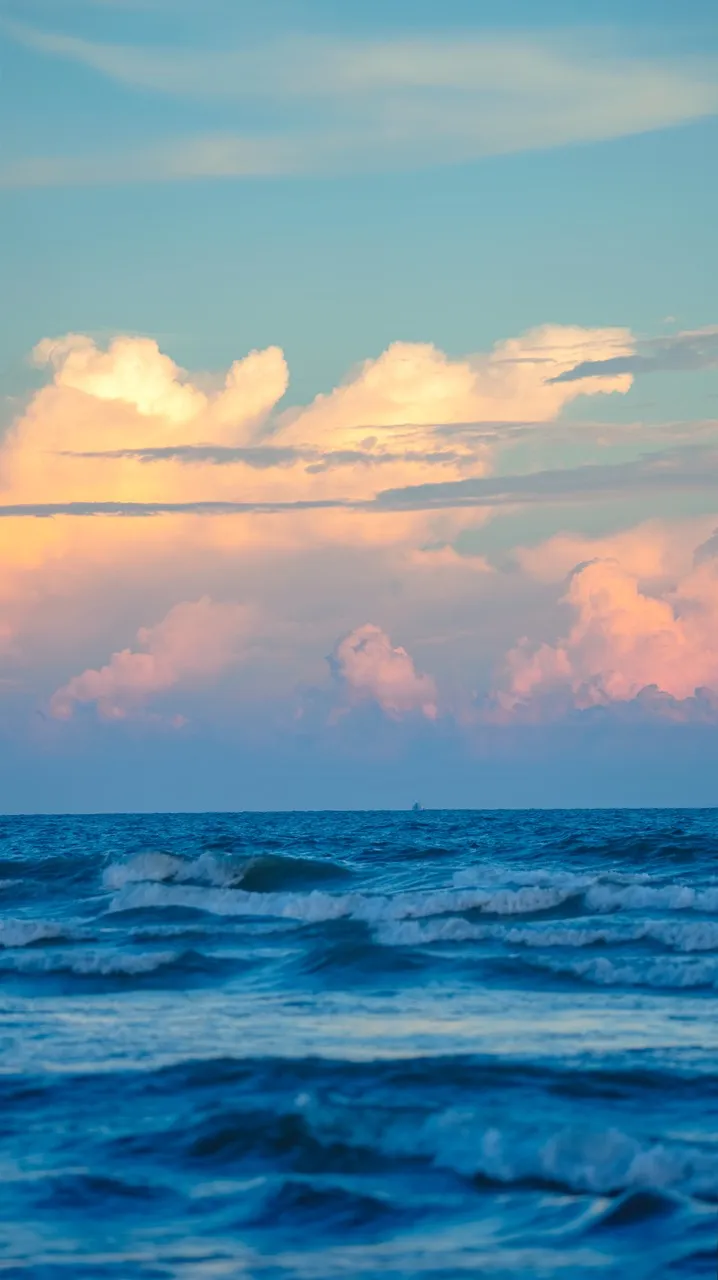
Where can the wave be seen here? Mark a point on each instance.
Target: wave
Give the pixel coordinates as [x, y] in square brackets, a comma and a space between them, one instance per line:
[577, 1159]
[155, 867]
[604, 1162]
[262, 873]
[319, 906]
[27, 933]
[698, 935]
[694, 935]
[97, 963]
[297, 1202]
[379, 911]
[669, 897]
[675, 973]
[544, 877]
[602, 893]
[83, 1190]
[636, 1207]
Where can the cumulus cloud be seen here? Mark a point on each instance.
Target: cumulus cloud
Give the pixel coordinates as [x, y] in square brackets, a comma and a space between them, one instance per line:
[87, 437]
[369, 668]
[621, 641]
[193, 644]
[415, 384]
[135, 372]
[352, 502]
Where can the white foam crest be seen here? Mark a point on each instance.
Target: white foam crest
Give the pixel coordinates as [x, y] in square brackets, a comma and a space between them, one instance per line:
[699, 935]
[416, 933]
[311, 908]
[669, 897]
[569, 936]
[693, 935]
[92, 963]
[478, 877]
[318, 906]
[584, 1159]
[502, 902]
[457, 929]
[143, 867]
[155, 867]
[24, 933]
[667, 971]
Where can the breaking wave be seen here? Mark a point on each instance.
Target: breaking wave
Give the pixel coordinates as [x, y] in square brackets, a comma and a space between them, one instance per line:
[100, 963]
[366, 1044]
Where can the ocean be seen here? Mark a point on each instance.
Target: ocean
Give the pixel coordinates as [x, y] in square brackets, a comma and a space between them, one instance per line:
[324, 1045]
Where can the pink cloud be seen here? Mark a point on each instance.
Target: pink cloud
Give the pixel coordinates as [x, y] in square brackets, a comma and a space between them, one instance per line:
[371, 669]
[194, 643]
[622, 641]
[654, 551]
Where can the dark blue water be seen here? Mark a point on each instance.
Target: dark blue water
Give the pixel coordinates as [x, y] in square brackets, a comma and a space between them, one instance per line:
[346, 1045]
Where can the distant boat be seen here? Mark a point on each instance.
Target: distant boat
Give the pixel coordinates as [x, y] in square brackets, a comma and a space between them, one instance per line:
[417, 808]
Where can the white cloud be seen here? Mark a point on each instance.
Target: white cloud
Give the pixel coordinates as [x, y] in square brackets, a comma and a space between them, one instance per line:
[347, 104]
[415, 383]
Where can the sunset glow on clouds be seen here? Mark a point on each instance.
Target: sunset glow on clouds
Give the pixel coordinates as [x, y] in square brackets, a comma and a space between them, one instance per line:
[369, 666]
[195, 642]
[263, 489]
[357, 404]
[623, 641]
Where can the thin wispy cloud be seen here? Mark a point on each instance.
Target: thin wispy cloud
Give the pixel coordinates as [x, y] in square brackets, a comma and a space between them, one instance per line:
[340, 104]
[671, 470]
[265, 457]
[682, 352]
[677, 470]
[211, 507]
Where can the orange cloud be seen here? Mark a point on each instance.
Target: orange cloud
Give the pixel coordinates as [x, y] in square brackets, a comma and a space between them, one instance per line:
[194, 643]
[134, 372]
[370, 668]
[378, 431]
[81, 438]
[378, 427]
[415, 384]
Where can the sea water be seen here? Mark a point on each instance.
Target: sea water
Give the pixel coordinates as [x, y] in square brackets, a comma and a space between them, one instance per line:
[359, 1044]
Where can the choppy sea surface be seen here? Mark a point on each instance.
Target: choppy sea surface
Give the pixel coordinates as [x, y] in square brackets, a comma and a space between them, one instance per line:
[346, 1045]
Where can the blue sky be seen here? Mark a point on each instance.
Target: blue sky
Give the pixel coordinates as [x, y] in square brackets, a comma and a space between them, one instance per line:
[226, 177]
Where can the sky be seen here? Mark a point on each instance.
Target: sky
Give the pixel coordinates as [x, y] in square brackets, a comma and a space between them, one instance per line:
[358, 404]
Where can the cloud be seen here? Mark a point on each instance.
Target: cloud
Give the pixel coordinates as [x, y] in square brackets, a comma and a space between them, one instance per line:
[376, 491]
[670, 471]
[193, 644]
[682, 469]
[47, 510]
[655, 552]
[622, 641]
[348, 103]
[369, 668]
[415, 383]
[134, 372]
[87, 437]
[683, 352]
[264, 457]
[707, 550]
